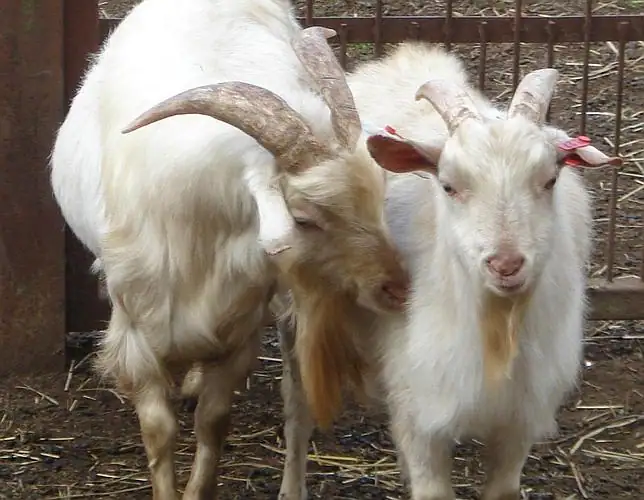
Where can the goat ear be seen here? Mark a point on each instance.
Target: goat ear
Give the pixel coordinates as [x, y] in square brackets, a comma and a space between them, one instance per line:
[401, 156]
[578, 152]
[588, 157]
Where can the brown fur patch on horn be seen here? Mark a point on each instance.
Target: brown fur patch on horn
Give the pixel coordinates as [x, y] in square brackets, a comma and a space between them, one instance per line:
[501, 319]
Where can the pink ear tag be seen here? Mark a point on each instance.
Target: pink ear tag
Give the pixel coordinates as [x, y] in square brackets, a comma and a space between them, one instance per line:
[574, 143]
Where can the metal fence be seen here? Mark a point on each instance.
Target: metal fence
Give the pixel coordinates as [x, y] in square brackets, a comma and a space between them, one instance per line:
[615, 294]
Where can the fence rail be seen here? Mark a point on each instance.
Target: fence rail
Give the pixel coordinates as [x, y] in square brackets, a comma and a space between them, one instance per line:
[472, 29]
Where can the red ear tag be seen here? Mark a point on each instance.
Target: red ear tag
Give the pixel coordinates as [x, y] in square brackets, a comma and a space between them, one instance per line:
[574, 143]
[390, 130]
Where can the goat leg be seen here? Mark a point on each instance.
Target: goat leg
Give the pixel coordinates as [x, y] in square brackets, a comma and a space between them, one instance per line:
[298, 424]
[212, 417]
[506, 452]
[427, 460]
[158, 430]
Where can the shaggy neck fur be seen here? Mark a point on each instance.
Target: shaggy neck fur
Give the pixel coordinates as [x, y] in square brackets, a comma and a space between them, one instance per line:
[329, 355]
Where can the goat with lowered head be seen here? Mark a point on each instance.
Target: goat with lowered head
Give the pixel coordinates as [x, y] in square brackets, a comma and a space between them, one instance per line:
[495, 226]
[182, 212]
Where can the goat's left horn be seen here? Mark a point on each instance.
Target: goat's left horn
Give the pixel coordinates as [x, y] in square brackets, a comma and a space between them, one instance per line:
[315, 54]
[533, 95]
[451, 101]
[258, 112]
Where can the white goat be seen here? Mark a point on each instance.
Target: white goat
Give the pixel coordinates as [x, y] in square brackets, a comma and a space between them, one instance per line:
[180, 214]
[495, 230]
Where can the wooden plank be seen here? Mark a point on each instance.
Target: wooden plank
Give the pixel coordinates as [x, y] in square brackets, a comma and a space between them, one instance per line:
[32, 320]
[623, 299]
[85, 310]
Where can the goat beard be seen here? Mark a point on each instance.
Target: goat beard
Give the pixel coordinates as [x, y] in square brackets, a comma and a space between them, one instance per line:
[327, 348]
[501, 319]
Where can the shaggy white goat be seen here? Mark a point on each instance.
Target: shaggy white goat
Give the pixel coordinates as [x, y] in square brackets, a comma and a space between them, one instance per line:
[181, 213]
[495, 229]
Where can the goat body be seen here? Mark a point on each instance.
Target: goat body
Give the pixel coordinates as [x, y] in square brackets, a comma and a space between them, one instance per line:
[482, 351]
[181, 213]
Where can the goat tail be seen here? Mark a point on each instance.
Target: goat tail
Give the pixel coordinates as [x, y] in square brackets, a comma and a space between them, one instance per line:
[125, 355]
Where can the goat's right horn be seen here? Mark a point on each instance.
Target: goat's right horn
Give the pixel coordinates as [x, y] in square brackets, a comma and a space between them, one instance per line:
[451, 101]
[533, 95]
[254, 110]
[316, 56]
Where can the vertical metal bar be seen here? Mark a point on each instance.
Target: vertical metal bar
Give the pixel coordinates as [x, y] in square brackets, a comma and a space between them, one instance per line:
[309, 13]
[642, 256]
[343, 34]
[449, 15]
[482, 54]
[588, 18]
[612, 213]
[551, 53]
[550, 28]
[377, 34]
[518, 9]
[414, 31]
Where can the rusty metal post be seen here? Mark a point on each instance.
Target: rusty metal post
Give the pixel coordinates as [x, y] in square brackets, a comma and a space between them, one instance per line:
[85, 310]
[32, 269]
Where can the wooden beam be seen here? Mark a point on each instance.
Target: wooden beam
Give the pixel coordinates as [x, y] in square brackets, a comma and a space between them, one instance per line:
[623, 299]
[85, 310]
[32, 269]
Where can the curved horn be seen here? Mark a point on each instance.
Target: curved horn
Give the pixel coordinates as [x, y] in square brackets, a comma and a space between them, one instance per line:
[317, 57]
[533, 95]
[254, 110]
[451, 101]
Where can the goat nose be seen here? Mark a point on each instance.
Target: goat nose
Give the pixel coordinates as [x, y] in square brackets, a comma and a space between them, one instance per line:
[506, 264]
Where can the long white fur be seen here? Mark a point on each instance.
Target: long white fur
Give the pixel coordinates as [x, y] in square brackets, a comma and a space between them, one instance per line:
[429, 363]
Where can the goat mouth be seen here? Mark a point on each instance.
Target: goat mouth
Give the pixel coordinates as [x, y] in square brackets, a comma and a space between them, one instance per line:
[391, 302]
[509, 287]
[382, 301]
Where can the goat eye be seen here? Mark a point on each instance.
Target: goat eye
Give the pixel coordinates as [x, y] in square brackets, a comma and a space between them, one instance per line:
[304, 223]
[449, 189]
[550, 184]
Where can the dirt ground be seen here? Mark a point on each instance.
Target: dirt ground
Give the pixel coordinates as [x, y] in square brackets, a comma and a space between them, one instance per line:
[68, 436]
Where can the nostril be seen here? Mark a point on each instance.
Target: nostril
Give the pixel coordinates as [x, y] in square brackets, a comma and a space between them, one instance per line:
[517, 264]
